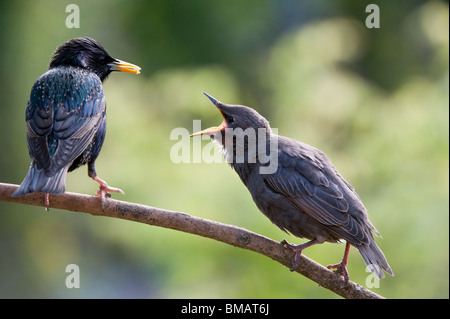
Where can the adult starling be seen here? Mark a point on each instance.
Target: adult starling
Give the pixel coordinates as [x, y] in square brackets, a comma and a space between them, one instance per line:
[66, 117]
[303, 193]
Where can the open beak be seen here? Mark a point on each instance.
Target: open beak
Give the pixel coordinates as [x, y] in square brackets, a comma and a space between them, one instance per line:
[211, 130]
[214, 129]
[123, 66]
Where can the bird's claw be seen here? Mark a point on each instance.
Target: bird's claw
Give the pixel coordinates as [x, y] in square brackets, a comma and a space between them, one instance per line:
[47, 202]
[341, 269]
[298, 253]
[286, 244]
[297, 249]
[104, 190]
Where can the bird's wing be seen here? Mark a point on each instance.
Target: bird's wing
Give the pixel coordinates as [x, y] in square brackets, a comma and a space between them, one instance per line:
[62, 118]
[309, 181]
[39, 121]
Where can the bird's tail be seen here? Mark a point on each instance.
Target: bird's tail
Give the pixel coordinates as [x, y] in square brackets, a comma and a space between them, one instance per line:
[38, 180]
[374, 259]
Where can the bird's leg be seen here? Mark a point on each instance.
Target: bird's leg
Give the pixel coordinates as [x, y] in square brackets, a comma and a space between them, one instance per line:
[298, 250]
[103, 189]
[343, 264]
[47, 202]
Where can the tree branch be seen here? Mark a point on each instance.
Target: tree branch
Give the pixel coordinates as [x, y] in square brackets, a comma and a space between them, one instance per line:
[232, 235]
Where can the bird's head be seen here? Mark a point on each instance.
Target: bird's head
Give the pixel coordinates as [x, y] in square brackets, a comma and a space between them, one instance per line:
[238, 120]
[89, 54]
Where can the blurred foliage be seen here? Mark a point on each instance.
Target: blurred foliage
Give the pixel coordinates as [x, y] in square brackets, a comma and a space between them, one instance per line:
[375, 100]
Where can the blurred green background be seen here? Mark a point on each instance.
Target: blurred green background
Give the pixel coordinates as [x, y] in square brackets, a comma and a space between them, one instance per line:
[376, 101]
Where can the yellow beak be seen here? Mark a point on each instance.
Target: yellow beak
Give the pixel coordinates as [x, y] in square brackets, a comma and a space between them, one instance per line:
[211, 130]
[123, 66]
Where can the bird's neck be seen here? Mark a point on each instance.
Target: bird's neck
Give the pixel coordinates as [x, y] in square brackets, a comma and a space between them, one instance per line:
[246, 154]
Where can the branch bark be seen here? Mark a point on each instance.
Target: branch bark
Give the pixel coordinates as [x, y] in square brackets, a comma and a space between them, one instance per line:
[232, 235]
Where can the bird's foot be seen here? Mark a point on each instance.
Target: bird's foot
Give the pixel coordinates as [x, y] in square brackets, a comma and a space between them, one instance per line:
[341, 268]
[104, 190]
[298, 250]
[47, 202]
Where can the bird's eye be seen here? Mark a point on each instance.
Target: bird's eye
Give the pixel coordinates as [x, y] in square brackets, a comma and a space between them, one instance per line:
[230, 119]
[101, 58]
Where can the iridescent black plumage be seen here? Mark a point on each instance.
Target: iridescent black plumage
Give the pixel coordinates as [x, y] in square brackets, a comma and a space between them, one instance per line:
[66, 116]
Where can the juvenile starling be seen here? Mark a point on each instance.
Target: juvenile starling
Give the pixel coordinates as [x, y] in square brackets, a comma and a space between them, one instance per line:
[66, 117]
[302, 193]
